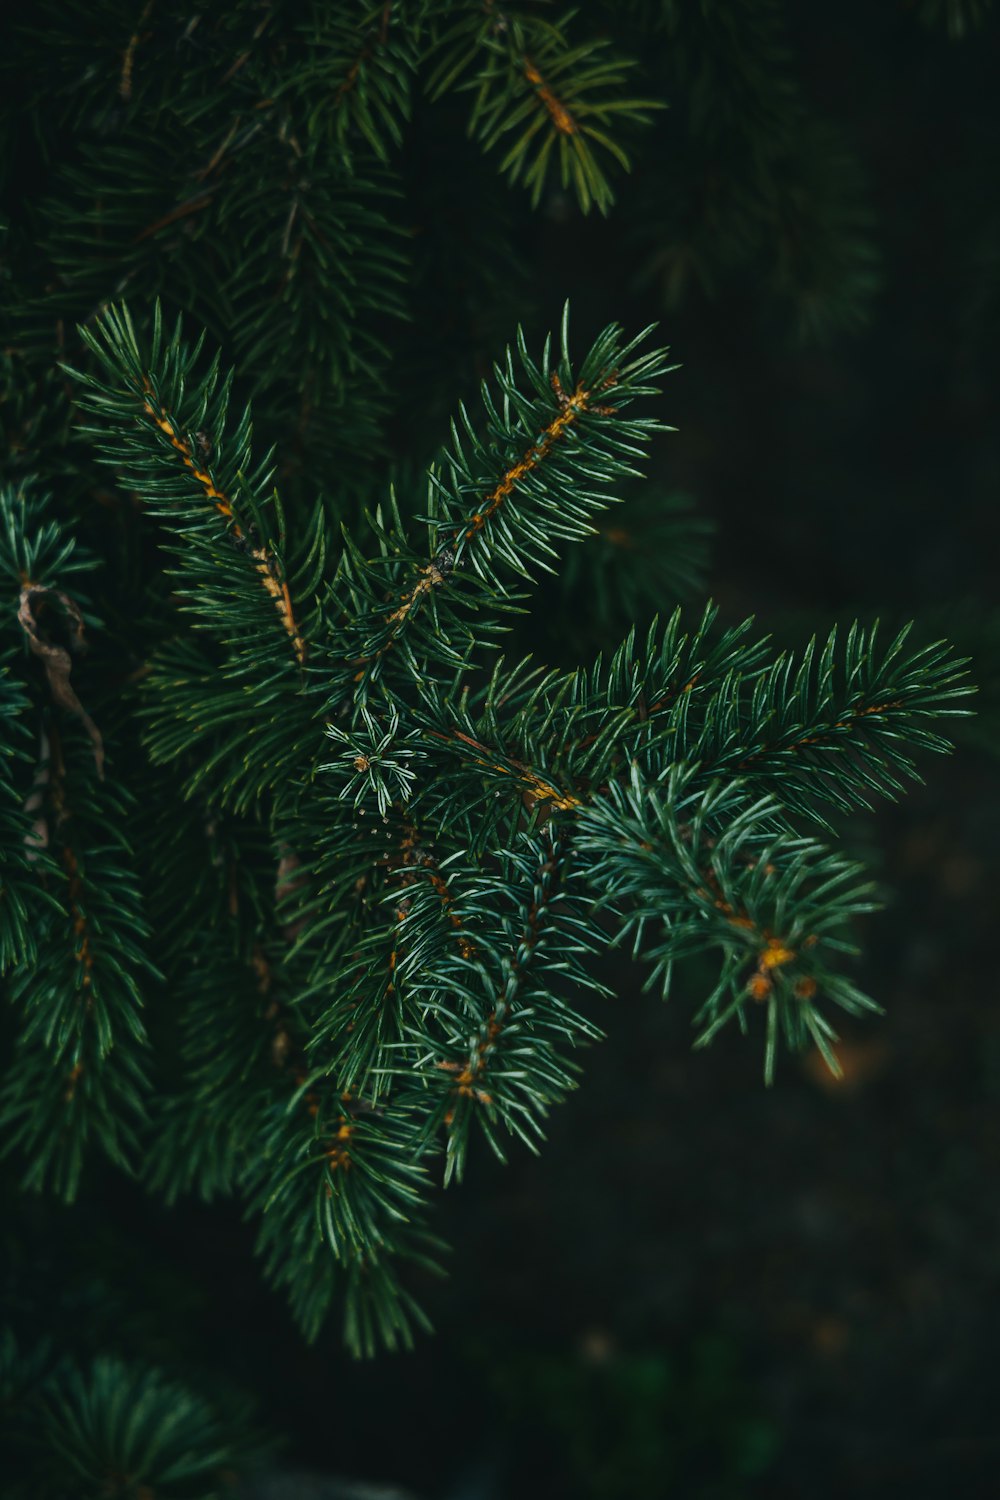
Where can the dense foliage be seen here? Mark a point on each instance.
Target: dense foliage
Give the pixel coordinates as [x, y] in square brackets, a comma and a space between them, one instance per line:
[306, 862]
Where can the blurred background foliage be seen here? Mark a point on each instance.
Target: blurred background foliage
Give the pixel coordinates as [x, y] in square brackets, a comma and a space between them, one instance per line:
[701, 1289]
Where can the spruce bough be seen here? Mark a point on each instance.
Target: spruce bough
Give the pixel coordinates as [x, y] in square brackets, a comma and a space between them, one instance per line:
[347, 862]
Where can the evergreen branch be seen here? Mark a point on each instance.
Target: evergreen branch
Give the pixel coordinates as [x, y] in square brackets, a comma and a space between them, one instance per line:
[813, 731]
[235, 1046]
[82, 1428]
[227, 164]
[22, 895]
[537, 478]
[361, 984]
[822, 732]
[337, 1188]
[380, 862]
[365, 1018]
[493, 1016]
[693, 869]
[80, 1065]
[534, 786]
[173, 423]
[557, 100]
[368, 55]
[80, 1072]
[404, 940]
[378, 764]
[165, 425]
[583, 728]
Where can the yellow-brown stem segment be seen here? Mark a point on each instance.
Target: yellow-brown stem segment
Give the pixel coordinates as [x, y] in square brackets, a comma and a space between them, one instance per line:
[265, 563]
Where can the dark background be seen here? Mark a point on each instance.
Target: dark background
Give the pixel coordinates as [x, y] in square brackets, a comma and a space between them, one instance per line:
[702, 1287]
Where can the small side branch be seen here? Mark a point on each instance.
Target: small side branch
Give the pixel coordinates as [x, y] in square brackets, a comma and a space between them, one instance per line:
[570, 409]
[265, 563]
